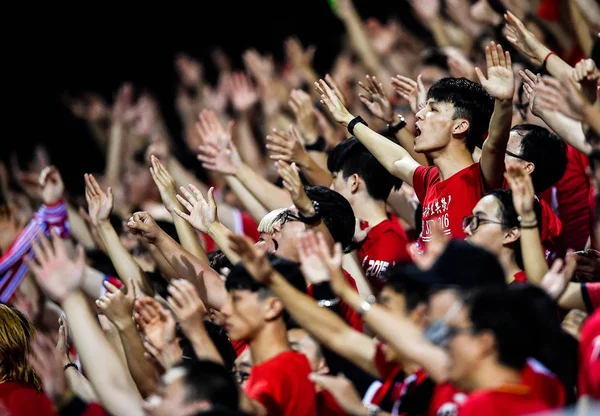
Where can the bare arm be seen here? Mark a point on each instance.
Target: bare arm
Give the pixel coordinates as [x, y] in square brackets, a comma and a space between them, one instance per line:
[269, 195]
[582, 29]
[79, 229]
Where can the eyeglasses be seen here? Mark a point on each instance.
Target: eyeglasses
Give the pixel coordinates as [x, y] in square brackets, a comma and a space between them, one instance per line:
[516, 156]
[240, 376]
[287, 216]
[474, 222]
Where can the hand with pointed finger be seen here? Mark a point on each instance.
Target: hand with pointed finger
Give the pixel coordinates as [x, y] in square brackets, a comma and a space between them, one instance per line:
[376, 101]
[142, 224]
[412, 91]
[287, 147]
[117, 305]
[242, 93]
[253, 257]
[293, 184]
[100, 203]
[500, 82]
[225, 160]
[211, 131]
[558, 277]
[52, 185]
[48, 365]
[187, 305]
[57, 274]
[302, 106]
[156, 323]
[165, 183]
[333, 103]
[202, 213]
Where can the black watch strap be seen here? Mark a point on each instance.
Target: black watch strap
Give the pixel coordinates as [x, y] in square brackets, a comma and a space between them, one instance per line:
[395, 128]
[313, 219]
[318, 146]
[353, 123]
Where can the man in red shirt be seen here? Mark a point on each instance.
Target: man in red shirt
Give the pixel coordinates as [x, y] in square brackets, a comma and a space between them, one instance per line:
[361, 179]
[278, 382]
[453, 121]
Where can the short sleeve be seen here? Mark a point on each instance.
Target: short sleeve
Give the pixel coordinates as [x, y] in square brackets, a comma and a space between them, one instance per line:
[384, 367]
[422, 180]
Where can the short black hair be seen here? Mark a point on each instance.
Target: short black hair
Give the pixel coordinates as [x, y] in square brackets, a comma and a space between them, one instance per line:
[546, 151]
[596, 52]
[210, 381]
[352, 157]
[470, 101]
[218, 261]
[219, 338]
[510, 218]
[398, 279]
[336, 213]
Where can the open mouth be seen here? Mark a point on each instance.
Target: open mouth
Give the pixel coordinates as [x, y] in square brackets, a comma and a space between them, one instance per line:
[417, 131]
[275, 244]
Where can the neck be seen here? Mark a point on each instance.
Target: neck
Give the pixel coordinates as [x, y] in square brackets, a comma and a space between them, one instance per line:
[370, 210]
[269, 342]
[507, 259]
[450, 161]
[495, 375]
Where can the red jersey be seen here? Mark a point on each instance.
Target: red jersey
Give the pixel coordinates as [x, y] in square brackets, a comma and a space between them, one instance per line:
[447, 202]
[550, 230]
[589, 358]
[385, 245]
[591, 295]
[22, 400]
[508, 400]
[282, 386]
[520, 277]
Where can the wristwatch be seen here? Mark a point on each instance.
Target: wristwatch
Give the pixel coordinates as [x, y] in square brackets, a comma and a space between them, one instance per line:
[372, 409]
[319, 146]
[365, 306]
[315, 218]
[395, 128]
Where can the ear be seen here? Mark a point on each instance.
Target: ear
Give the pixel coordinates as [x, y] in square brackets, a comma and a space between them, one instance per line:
[512, 235]
[529, 167]
[273, 308]
[487, 343]
[461, 127]
[354, 182]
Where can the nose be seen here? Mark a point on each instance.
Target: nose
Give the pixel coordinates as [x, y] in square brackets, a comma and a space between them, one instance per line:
[421, 114]
[467, 230]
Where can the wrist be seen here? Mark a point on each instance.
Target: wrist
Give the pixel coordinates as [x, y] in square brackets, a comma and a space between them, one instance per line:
[305, 206]
[124, 324]
[347, 119]
[214, 228]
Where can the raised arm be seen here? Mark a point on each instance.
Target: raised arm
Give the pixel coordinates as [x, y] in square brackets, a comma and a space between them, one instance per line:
[116, 139]
[394, 158]
[60, 278]
[500, 85]
[323, 324]
[100, 206]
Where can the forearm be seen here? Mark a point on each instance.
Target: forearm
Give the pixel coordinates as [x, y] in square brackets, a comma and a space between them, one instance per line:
[92, 282]
[79, 228]
[248, 201]
[244, 139]
[315, 174]
[80, 386]
[555, 66]
[124, 264]
[167, 271]
[360, 42]
[105, 372]
[572, 298]
[351, 264]
[220, 235]
[436, 25]
[211, 288]
[493, 151]
[533, 255]
[144, 374]
[568, 129]
[115, 150]
[203, 345]
[592, 117]
[325, 326]
[582, 29]
[188, 238]
[407, 141]
[269, 195]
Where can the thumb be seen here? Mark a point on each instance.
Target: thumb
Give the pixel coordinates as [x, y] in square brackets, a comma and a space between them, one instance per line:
[420, 85]
[480, 75]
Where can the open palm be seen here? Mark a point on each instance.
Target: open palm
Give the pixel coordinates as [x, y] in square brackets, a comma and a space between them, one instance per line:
[202, 213]
[500, 82]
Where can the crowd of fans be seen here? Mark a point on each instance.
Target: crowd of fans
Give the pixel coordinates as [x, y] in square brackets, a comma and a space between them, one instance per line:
[414, 233]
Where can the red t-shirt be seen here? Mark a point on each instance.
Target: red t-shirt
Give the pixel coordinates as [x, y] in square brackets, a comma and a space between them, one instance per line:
[282, 386]
[589, 358]
[385, 245]
[591, 295]
[447, 202]
[520, 277]
[245, 224]
[509, 400]
[550, 230]
[22, 400]
[593, 219]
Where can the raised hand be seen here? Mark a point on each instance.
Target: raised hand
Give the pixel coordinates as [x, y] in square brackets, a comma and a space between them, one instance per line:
[377, 102]
[190, 71]
[62, 342]
[165, 183]
[293, 184]
[316, 261]
[460, 66]
[530, 84]
[123, 103]
[500, 82]
[334, 104]
[412, 91]
[523, 194]
[565, 98]
[521, 37]
[287, 147]
[588, 265]
[225, 160]
[156, 323]
[100, 204]
[556, 279]
[187, 306]
[202, 213]
[587, 75]
[303, 109]
[52, 185]
[48, 364]
[56, 273]
[216, 98]
[253, 257]
[333, 85]
[295, 54]
[242, 93]
[141, 223]
[426, 9]
[116, 305]
[260, 67]
[211, 131]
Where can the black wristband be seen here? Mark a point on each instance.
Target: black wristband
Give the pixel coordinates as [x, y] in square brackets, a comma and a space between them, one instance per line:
[318, 146]
[313, 219]
[71, 365]
[353, 122]
[393, 129]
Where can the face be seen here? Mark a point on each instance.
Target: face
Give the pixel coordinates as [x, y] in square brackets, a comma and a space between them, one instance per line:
[139, 186]
[243, 366]
[286, 234]
[170, 398]
[267, 241]
[392, 300]
[465, 348]
[513, 150]
[244, 314]
[435, 126]
[489, 233]
[344, 186]
[301, 342]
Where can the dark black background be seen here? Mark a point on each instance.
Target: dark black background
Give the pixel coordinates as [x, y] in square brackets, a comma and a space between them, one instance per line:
[52, 50]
